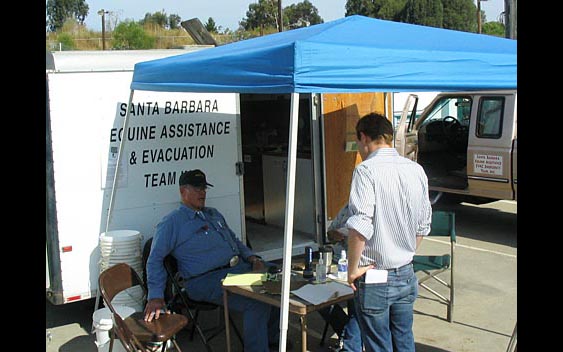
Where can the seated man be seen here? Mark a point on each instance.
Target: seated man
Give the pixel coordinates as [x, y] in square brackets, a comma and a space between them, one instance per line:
[206, 249]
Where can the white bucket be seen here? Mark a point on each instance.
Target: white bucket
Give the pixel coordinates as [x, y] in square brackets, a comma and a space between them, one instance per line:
[121, 246]
[117, 236]
[102, 324]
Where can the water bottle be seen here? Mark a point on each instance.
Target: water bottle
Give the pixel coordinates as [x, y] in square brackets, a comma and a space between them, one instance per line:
[343, 266]
[321, 271]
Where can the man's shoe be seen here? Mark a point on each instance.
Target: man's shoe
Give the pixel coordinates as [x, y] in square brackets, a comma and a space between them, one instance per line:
[336, 347]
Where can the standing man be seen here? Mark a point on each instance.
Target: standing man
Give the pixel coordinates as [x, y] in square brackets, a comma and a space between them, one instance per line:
[390, 212]
[206, 250]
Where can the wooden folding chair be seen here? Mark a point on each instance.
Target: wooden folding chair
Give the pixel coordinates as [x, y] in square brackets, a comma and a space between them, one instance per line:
[443, 224]
[134, 332]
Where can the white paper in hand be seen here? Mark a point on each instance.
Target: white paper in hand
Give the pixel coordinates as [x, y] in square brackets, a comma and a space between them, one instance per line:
[376, 276]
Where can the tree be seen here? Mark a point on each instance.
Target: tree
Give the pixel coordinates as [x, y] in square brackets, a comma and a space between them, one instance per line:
[58, 11]
[494, 28]
[391, 9]
[460, 15]
[361, 7]
[160, 19]
[302, 14]
[157, 19]
[424, 12]
[131, 35]
[263, 14]
[450, 14]
[382, 9]
[210, 25]
[66, 41]
[174, 21]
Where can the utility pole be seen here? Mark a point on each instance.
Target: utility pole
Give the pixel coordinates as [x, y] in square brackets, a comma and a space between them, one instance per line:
[510, 19]
[479, 16]
[102, 13]
[280, 16]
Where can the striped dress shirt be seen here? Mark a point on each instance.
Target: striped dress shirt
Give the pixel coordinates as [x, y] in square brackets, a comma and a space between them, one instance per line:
[389, 206]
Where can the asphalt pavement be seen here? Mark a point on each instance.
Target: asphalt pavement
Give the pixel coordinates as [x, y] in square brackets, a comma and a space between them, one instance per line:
[485, 302]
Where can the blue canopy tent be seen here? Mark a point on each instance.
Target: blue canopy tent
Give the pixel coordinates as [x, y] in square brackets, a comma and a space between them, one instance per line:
[352, 54]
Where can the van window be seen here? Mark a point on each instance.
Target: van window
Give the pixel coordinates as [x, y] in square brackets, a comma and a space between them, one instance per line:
[489, 117]
[457, 108]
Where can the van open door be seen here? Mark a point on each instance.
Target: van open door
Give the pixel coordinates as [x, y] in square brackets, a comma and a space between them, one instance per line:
[406, 138]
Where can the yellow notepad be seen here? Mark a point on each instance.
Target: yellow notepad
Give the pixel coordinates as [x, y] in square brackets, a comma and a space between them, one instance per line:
[246, 279]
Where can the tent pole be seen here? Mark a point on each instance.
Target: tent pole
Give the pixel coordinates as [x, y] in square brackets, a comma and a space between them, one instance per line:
[123, 137]
[110, 208]
[288, 226]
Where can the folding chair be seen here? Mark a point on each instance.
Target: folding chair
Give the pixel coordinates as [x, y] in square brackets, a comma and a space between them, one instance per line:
[336, 317]
[443, 224]
[513, 340]
[180, 302]
[127, 338]
[134, 332]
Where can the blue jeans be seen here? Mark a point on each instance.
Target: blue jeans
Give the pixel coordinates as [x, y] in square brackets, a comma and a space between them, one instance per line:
[351, 335]
[385, 311]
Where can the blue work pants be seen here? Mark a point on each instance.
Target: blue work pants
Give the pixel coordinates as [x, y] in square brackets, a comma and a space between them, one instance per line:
[260, 320]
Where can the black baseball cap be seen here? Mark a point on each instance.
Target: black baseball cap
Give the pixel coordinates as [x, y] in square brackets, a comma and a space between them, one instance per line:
[195, 178]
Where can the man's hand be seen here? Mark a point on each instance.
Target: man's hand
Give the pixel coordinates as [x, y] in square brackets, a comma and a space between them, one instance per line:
[154, 308]
[354, 274]
[257, 263]
[334, 236]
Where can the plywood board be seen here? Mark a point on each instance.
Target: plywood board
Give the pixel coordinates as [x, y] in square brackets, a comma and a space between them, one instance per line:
[341, 112]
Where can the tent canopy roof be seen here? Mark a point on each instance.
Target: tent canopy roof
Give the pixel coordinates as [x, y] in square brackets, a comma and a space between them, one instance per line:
[352, 54]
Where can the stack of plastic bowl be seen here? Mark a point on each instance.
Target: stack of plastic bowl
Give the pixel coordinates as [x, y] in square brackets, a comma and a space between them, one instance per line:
[123, 246]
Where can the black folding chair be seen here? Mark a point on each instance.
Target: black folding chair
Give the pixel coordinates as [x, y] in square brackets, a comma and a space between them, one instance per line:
[334, 317]
[179, 302]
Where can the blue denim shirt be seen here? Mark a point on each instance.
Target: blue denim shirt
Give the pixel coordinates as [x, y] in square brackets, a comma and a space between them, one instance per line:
[199, 240]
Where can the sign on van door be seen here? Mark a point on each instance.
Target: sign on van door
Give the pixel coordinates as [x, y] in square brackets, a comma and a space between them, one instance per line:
[169, 133]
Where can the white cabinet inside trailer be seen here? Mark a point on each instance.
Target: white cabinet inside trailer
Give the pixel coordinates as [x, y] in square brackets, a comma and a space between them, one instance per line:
[275, 180]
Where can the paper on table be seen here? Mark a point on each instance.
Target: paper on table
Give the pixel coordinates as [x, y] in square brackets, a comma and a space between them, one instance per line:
[246, 279]
[336, 278]
[320, 293]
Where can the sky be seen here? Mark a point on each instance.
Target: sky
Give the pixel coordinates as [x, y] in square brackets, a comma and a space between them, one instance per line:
[225, 13]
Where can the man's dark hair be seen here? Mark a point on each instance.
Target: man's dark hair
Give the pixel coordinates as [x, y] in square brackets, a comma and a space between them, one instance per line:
[375, 126]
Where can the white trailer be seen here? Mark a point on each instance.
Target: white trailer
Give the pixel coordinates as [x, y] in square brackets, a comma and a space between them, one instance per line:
[83, 89]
